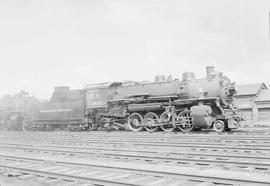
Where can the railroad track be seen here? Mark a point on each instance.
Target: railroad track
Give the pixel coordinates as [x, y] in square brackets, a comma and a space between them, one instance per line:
[108, 173]
[237, 146]
[230, 151]
[161, 159]
[173, 139]
[235, 162]
[142, 137]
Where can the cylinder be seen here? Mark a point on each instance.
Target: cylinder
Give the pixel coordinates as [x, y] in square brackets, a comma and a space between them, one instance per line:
[201, 116]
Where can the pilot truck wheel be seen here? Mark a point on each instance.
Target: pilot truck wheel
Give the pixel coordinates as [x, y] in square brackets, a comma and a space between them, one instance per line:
[219, 126]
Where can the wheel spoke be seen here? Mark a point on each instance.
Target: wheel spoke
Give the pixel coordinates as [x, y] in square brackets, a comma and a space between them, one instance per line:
[135, 122]
[185, 122]
[165, 118]
[150, 119]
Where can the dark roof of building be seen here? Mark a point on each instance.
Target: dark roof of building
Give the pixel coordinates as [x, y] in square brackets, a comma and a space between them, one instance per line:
[264, 95]
[249, 89]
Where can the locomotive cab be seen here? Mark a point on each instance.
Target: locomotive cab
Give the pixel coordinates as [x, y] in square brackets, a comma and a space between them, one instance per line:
[97, 102]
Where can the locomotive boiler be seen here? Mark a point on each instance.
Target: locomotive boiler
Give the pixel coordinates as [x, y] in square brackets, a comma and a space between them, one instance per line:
[168, 104]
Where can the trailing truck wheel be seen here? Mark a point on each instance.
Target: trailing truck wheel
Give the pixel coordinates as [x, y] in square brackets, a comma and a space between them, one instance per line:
[165, 118]
[219, 126]
[184, 122]
[135, 122]
[150, 119]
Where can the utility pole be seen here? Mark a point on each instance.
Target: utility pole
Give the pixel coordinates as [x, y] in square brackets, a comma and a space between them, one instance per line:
[269, 27]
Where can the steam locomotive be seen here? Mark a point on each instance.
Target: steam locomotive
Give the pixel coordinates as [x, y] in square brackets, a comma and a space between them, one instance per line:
[166, 104]
[16, 110]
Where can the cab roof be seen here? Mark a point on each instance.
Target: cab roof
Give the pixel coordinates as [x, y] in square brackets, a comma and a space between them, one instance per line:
[102, 85]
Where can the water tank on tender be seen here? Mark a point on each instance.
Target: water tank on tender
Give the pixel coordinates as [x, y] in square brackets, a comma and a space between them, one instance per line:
[160, 78]
[188, 76]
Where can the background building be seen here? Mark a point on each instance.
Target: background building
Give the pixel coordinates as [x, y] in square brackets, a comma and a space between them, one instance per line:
[253, 102]
[263, 105]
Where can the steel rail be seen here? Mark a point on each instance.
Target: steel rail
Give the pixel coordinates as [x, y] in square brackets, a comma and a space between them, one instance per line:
[150, 136]
[252, 146]
[226, 178]
[68, 177]
[220, 159]
[142, 133]
[153, 151]
[150, 151]
[145, 134]
[174, 147]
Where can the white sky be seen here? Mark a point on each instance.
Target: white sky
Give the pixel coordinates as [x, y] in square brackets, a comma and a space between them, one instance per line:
[75, 42]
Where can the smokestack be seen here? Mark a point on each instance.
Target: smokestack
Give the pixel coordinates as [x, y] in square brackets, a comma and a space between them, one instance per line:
[209, 72]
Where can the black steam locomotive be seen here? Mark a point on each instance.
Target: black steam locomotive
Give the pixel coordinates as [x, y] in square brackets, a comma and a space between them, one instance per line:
[167, 104]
